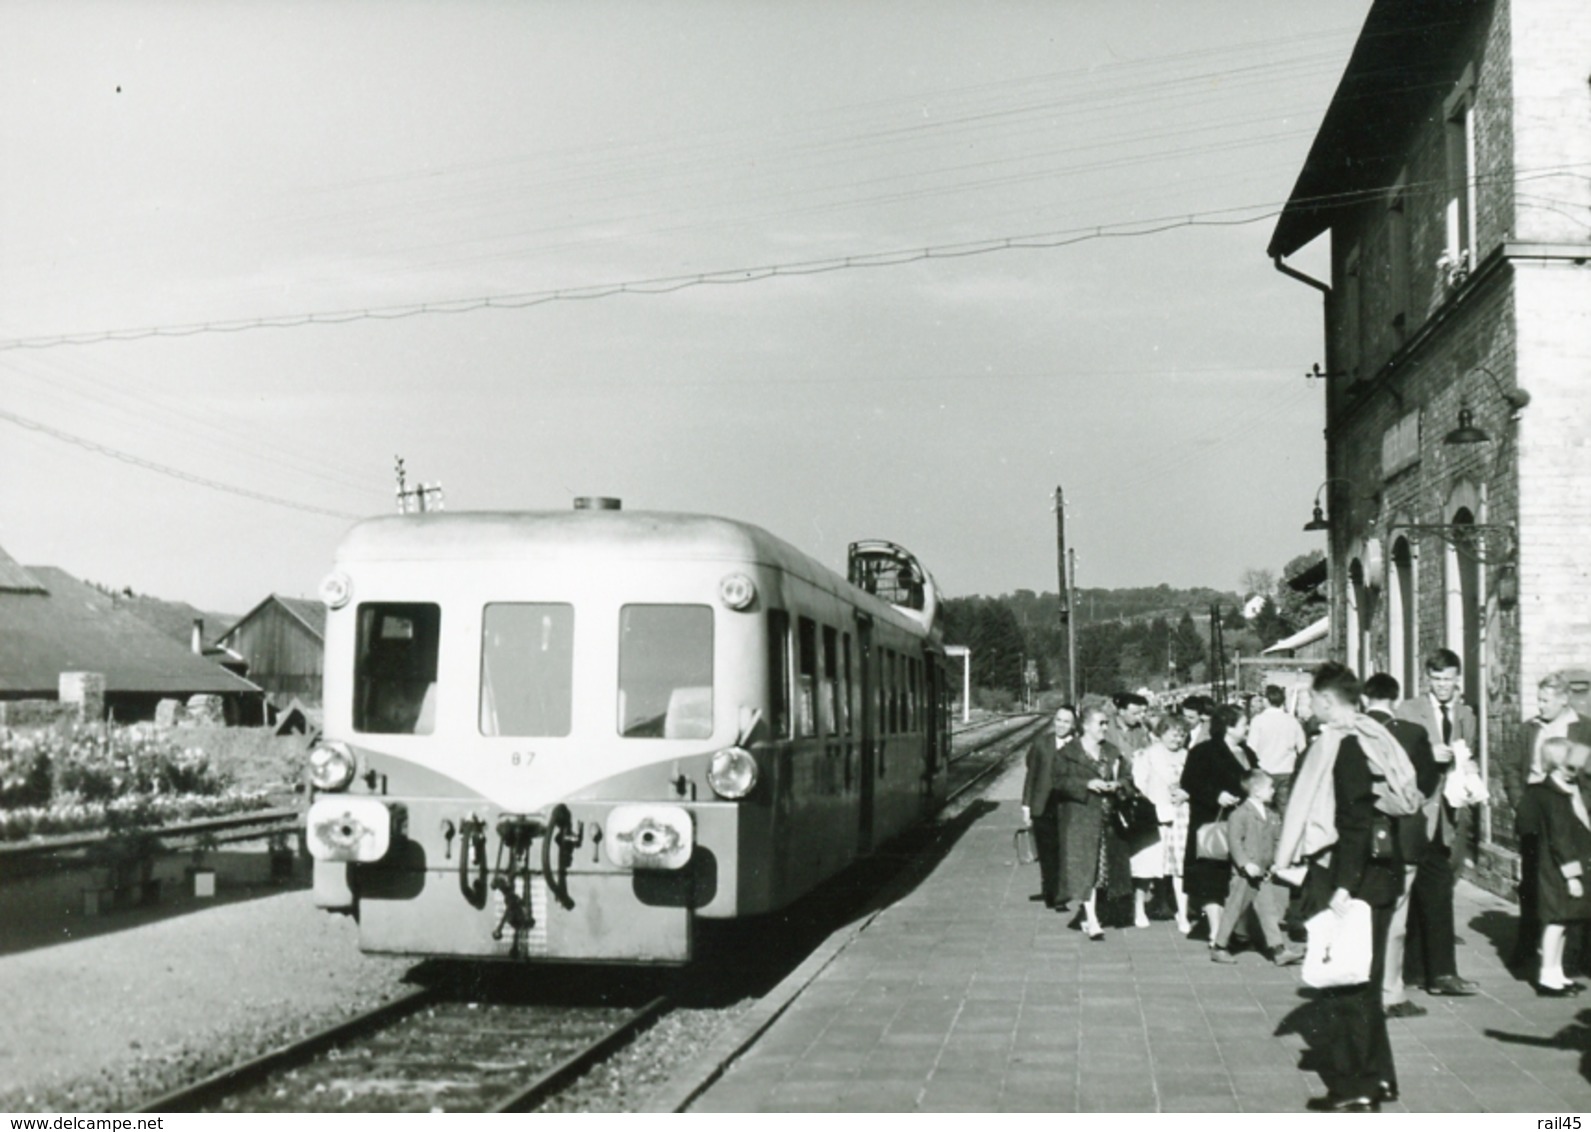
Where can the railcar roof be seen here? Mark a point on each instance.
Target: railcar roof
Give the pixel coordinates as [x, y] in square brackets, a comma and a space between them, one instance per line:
[446, 536]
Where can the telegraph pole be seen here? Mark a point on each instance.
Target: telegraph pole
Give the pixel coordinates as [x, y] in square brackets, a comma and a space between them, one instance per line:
[1065, 595]
[1071, 625]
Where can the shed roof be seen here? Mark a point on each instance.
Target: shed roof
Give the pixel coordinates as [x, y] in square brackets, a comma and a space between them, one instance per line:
[1399, 64]
[69, 626]
[311, 614]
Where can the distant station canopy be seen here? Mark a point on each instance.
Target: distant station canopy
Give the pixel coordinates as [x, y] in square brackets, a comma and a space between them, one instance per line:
[893, 574]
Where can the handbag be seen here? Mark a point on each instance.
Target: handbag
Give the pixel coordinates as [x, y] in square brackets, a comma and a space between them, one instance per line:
[1027, 851]
[1135, 818]
[1211, 843]
[1339, 951]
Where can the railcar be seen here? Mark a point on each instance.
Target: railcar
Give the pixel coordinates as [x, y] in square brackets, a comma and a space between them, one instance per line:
[567, 736]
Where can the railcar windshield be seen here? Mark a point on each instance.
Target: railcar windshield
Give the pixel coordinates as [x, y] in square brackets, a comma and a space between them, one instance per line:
[527, 669]
[666, 672]
[395, 668]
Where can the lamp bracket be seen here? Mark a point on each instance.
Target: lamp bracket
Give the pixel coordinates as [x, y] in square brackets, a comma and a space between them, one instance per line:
[1487, 543]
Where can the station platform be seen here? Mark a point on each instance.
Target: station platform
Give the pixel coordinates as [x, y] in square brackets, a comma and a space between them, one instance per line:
[967, 995]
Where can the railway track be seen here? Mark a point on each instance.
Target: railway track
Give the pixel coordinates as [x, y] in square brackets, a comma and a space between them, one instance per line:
[506, 1042]
[978, 752]
[428, 1051]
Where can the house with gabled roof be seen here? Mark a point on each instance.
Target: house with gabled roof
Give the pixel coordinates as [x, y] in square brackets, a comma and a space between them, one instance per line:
[283, 641]
[52, 623]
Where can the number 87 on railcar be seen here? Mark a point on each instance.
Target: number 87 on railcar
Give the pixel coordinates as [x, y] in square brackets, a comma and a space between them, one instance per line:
[568, 735]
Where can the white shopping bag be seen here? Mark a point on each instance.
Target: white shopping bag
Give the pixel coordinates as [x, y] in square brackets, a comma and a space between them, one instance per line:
[1464, 785]
[1339, 947]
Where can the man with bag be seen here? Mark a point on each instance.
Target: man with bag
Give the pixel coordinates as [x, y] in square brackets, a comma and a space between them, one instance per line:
[1450, 724]
[1354, 782]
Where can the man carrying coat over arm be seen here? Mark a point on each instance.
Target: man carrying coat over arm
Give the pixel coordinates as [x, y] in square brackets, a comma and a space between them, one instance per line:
[1354, 782]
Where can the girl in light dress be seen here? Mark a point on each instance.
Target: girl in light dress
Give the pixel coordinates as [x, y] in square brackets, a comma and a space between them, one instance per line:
[1157, 773]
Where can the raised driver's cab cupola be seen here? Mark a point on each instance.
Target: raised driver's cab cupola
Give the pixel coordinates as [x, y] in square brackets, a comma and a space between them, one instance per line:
[893, 574]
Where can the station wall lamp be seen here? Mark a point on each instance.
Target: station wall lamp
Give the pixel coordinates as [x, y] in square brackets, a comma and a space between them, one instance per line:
[1319, 521]
[1468, 432]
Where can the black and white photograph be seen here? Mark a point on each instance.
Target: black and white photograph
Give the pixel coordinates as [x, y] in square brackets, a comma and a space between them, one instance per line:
[744, 556]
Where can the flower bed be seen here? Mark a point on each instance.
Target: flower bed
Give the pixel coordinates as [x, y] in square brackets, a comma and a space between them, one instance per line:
[110, 778]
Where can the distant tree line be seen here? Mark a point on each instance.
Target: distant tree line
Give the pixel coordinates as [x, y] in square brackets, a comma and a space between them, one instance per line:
[1156, 637]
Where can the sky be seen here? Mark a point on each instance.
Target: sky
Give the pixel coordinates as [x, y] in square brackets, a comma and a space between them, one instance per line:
[165, 165]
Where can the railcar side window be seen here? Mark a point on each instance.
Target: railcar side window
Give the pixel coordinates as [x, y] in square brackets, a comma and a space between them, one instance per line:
[831, 681]
[845, 684]
[806, 677]
[527, 669]
[892, 708]
[666, 671]
[395, 668]
[779, 673]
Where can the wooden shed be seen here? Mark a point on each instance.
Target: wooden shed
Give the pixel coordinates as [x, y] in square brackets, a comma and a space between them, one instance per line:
[283, 641]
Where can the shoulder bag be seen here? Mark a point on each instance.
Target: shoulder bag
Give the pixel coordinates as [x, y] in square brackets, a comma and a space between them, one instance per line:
[1211, 842]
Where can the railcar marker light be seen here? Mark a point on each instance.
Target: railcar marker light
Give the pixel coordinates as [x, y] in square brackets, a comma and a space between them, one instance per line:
[737, 591]
[331, 767]
[648, 837]
[733, 773]
[348, 829]
[335, 589]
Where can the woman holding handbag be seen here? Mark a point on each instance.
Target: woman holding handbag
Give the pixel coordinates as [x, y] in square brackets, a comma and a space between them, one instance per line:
[1088, 770]
[1213, 779]
[1157, 773]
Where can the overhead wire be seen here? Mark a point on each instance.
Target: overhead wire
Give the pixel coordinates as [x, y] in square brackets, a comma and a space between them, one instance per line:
[125, 457]
[104, 391]
[659, 285]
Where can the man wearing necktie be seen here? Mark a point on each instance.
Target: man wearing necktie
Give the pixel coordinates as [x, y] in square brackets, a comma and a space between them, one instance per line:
[1448, 721]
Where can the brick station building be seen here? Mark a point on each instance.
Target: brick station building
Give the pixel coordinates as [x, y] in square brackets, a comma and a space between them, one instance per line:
[1453, 174]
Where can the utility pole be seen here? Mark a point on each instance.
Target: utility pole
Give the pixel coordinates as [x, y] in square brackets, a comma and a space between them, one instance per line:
[1070, 589]
[1063, 596]
[421, 494]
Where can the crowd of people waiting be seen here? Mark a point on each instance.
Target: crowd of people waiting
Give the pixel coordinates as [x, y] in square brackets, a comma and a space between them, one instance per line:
[1204, 813]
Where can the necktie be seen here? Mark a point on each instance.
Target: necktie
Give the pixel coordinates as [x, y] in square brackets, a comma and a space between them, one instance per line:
[1447, 725]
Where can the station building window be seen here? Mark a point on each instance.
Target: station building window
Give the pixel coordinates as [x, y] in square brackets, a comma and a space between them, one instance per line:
[1459, 110]
[1462, 584]
[395, 668]
[527, 669]
[666, 671]
[1401, 618]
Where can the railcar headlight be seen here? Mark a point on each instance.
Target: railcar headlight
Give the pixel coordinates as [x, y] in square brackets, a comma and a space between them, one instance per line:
[649, 837]
[348, 829]
[331, 766]
[737, 591]
[732, 773]
[336, 588]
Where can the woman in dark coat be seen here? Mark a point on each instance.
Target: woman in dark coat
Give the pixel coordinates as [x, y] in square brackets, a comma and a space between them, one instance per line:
[1213, 780]
[1042, 805]
[1554, 817]
[1088, 770]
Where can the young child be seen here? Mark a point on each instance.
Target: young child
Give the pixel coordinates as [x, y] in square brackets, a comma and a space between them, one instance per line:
[1553, 813]
[1252, 832]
